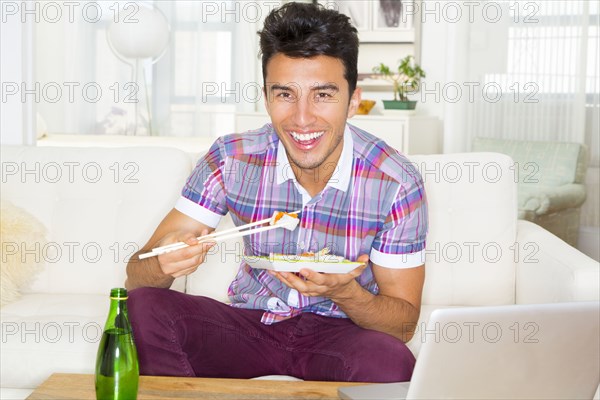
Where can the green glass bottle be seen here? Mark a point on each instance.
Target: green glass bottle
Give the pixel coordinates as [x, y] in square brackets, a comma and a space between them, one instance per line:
[117, 368]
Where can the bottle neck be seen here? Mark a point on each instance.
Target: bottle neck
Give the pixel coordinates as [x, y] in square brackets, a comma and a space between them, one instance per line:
[118, 305]
[117, 316]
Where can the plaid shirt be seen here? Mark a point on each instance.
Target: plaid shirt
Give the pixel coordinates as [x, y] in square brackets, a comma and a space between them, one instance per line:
[373, 204]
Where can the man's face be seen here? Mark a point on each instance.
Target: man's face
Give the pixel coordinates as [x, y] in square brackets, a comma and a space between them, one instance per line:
[308, 102]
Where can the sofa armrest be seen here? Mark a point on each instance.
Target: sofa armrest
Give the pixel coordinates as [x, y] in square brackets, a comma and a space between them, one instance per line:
[549, 270]
[548, 199]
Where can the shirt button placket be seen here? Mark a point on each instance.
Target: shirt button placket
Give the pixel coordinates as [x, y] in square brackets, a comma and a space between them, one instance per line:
[308, 228]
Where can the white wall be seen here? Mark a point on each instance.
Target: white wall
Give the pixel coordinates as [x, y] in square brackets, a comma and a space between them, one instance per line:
[456, 52]
[434, 44]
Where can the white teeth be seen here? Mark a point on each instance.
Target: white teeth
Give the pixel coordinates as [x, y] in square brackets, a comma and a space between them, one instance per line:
[307, 136]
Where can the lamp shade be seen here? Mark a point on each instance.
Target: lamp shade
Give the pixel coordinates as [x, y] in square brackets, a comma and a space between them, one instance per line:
[145, 37]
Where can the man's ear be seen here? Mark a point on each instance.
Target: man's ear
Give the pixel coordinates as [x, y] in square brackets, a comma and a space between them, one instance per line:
[354, 102]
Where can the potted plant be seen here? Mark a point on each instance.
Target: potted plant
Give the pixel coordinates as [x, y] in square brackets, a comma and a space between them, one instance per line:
[405, 79]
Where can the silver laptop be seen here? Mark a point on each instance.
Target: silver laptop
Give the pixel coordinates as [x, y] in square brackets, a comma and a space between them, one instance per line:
[541, 351]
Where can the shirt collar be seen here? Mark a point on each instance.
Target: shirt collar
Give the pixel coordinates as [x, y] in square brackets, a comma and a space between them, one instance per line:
[341, 175]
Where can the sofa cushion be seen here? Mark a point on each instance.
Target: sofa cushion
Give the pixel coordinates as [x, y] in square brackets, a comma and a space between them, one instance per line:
[534, 201]
[99, 205]
[47, 333]
[472, 203]
[213, 277]
[425, 331]
[14, 394]
[22, 237]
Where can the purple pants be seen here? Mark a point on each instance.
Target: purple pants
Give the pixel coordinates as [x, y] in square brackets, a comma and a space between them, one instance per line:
[178, 334]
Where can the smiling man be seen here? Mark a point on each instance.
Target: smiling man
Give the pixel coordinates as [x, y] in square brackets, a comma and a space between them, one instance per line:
[309, 115]
[357, 196]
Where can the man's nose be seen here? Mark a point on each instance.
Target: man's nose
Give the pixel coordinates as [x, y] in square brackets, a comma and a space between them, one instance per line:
[304, 113]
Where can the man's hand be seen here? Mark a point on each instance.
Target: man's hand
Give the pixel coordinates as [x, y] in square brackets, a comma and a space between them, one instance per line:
[394, 310]
[332, 286]
[161, 271]
[184, 261]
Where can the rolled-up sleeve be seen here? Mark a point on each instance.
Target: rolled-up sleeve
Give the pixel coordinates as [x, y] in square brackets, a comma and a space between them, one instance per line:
[401, 242]
[203, 196]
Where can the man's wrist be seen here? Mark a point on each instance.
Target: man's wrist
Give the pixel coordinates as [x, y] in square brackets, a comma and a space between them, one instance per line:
[147, 273]
[353, 291]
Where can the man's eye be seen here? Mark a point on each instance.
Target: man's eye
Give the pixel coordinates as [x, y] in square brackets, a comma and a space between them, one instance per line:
[284, 95]
[324, 97]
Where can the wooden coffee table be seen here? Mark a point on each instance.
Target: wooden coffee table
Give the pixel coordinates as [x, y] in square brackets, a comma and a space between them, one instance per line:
[81, 387]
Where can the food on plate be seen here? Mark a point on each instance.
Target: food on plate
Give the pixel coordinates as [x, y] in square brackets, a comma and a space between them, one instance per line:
[320, 256]
[320, 261]
[288, 221]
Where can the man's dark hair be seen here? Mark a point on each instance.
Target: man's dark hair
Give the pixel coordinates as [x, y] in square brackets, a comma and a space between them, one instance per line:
[301, 30]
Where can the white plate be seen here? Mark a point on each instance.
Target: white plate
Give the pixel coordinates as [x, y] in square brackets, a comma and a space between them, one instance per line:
[295, 264]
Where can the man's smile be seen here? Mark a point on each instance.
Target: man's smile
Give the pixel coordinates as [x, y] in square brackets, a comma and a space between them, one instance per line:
[306, 140]
[303, 137]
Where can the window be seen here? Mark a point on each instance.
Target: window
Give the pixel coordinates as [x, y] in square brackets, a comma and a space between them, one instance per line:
[208, 72]
[549, 86]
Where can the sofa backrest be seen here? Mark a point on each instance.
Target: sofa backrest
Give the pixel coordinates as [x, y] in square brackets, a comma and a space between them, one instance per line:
[541, 163]
[220, 267]
[99, 206]
[471, 244]
[471, 247]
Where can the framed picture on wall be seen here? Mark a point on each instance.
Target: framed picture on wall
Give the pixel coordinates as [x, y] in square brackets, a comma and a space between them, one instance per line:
[380, 21]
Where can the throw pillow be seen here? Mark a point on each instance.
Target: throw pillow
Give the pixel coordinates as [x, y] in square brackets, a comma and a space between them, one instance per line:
[22, 237]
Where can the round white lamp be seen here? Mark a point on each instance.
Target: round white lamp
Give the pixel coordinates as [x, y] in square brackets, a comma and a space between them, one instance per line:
[140, 38]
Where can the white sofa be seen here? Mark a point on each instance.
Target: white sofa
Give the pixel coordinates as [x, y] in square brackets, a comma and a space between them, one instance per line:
[106, 202]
